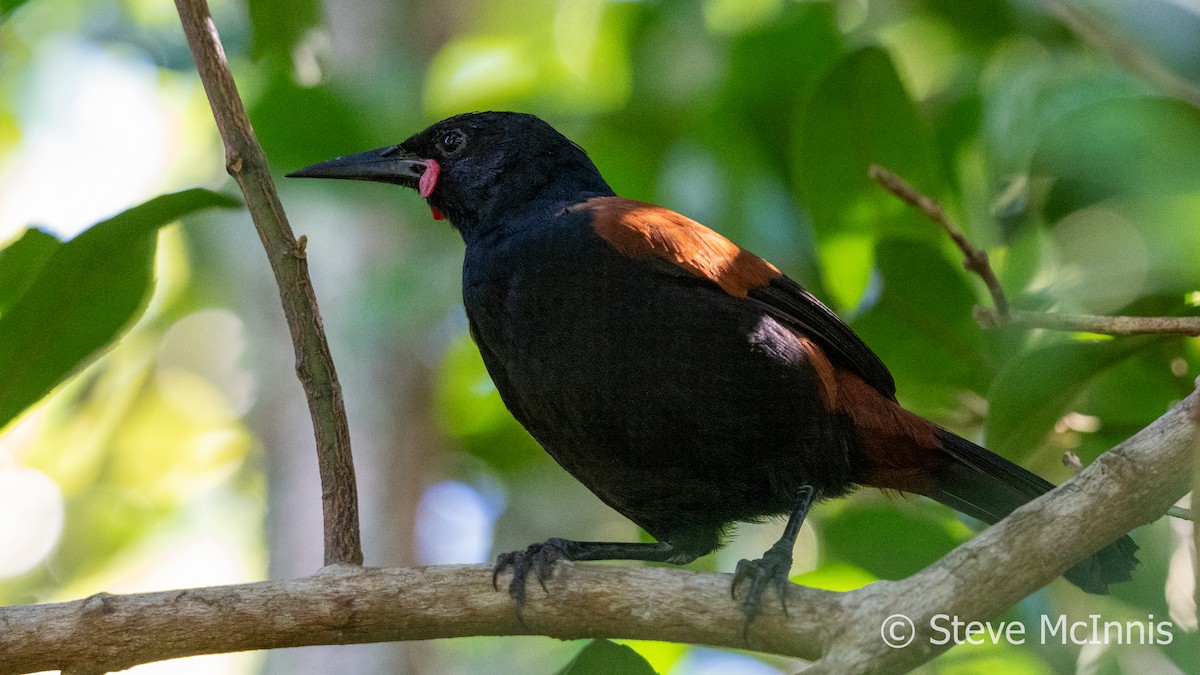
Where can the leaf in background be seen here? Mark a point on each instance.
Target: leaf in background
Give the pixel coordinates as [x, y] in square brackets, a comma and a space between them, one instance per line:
[331, 124]
[924, 314]
[772, 67]
[859, 115]
[1155, 382]
[20, 262]
[1089, 151]
[7, 7]
[604, 657]
[982, 24]
[86, 293]
[1037, 388]
[279, 24]
[852, 536]
[469, 408]
[836, 576]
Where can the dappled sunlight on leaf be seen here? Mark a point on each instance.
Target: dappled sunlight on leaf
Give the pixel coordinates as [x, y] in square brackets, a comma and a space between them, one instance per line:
[847, 263]
[1103, 262]
[480, 73]
[835, 577]
[928, 55]
[469, 408]
[511, 68]
[736, 16]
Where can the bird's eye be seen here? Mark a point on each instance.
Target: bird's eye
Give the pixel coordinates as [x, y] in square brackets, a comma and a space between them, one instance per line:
[451, 142]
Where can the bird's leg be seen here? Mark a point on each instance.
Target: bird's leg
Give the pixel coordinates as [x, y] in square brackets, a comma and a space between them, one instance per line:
[539, 558]
[772, 569]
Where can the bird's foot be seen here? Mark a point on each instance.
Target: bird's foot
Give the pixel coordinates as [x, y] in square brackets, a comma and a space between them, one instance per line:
[536, 558]
[771, 570]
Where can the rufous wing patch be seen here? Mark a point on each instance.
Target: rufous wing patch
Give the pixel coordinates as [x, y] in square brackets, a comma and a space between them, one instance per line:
[903, 448]
[644, 231]
[827, 376]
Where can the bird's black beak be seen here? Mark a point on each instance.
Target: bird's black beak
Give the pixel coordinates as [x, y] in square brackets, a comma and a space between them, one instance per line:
[383, 165]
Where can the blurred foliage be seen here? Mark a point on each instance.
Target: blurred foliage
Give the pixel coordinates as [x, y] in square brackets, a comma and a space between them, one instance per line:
[604, 657]
[82, 292]
[758, 118]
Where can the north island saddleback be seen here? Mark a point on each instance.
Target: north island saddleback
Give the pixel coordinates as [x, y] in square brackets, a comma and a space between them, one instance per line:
[685, 381]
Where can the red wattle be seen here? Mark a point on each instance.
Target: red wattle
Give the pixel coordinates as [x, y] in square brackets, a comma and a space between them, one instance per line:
[429, 177]
[437, 213]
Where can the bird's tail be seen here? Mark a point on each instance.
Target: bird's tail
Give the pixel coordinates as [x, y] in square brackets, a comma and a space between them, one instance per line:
[986, 486]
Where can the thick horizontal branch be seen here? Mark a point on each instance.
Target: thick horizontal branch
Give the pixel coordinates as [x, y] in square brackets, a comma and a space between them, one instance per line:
[347, 604]
[1130, 485]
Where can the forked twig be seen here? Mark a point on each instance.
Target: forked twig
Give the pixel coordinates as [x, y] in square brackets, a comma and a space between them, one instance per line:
[976, 260]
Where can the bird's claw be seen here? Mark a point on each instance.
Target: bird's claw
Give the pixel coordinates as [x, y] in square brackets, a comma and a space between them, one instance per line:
[770, 570]
[536, 558]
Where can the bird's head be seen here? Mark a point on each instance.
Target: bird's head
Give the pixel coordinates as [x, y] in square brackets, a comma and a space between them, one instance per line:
[477, 167]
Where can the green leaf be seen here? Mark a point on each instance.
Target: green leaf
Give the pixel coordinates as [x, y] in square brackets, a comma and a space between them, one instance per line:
[858, 115]
[852, 535]
[837, 576]
[982, 24]
[7, 7]
[1033, 391]
[470, 409]
[279, 25]
[924, 312]
[772, 68]
[85, 294]
[604, 657]
[1089, 151]
[20, 262]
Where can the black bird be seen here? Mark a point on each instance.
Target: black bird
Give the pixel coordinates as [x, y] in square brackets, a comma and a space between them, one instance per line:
[687, 382]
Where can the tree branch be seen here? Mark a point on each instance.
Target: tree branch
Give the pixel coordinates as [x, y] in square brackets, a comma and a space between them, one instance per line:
[1131, 485]
[976, 260]
[349, 604]
[1091, 323]
[1123, 52]
[245, 161]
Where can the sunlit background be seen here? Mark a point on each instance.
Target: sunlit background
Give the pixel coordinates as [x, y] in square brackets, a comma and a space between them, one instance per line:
[183, 456]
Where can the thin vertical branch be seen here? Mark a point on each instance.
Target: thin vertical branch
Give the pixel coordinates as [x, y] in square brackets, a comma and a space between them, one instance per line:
[246, 162]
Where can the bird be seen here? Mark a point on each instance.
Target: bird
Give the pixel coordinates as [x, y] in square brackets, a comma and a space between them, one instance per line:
[685, 381]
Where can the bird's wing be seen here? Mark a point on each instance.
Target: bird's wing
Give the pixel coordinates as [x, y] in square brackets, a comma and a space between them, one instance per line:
[644, 231]
[791, 303]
